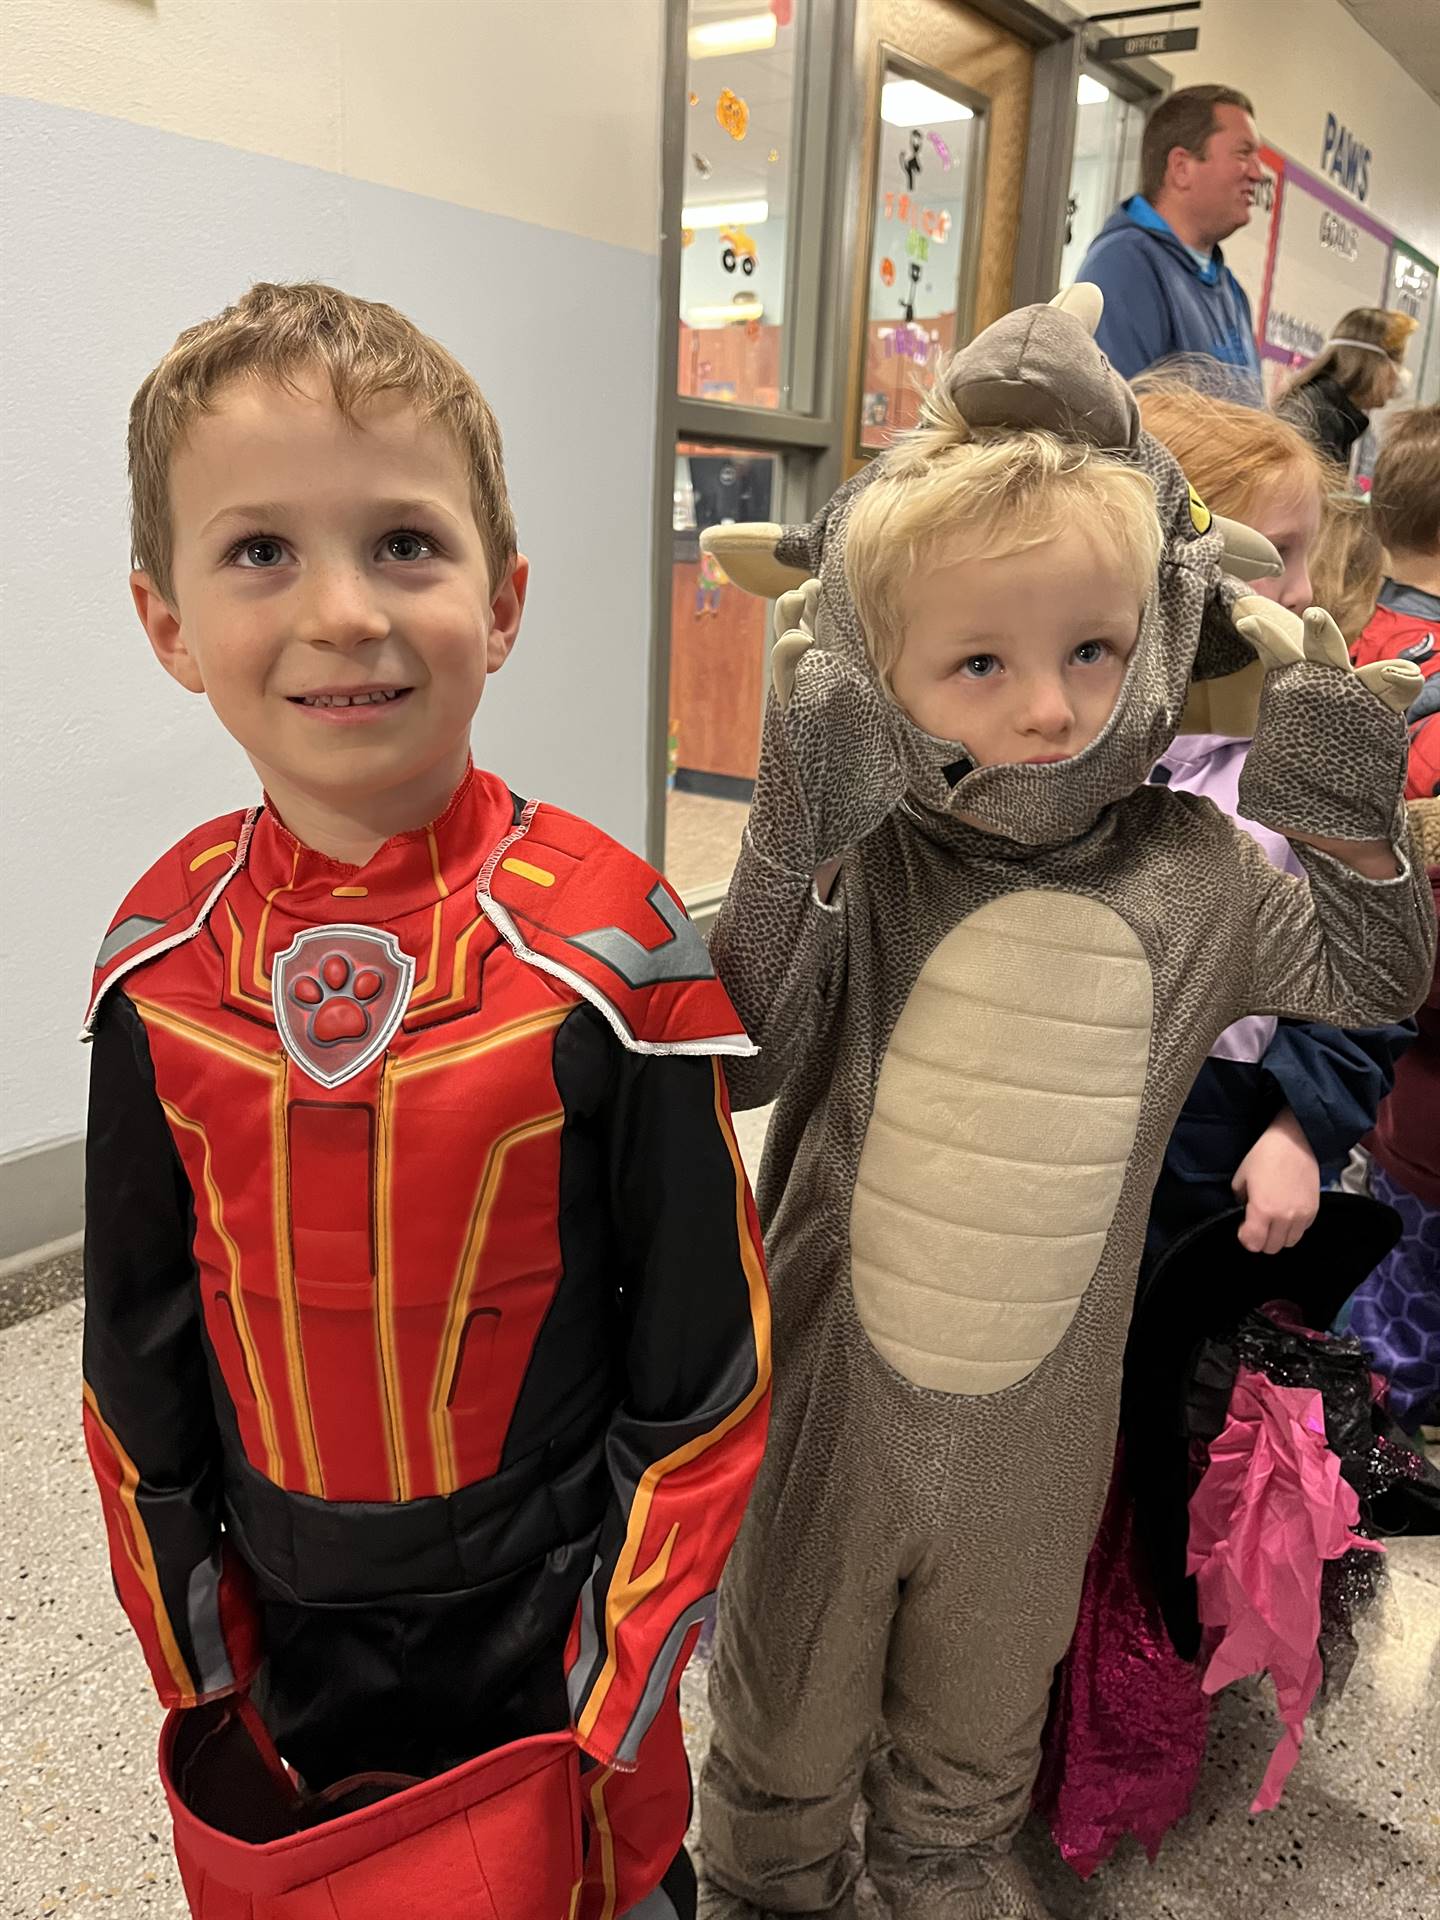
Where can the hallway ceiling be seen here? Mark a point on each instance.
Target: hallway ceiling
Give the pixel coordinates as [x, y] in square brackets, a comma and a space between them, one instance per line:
[1409, 30]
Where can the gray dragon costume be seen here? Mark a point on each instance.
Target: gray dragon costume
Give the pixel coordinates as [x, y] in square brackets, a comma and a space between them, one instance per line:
[979, 1047]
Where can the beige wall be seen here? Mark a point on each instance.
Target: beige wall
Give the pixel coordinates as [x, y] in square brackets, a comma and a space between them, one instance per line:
[547, 110]
[1300, 60]
[492, 167]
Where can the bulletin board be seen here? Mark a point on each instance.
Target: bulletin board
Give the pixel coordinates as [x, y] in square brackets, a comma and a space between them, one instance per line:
[1313, 252]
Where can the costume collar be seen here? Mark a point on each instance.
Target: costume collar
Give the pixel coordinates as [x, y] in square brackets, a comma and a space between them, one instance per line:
[1398, 598]
[411, 870]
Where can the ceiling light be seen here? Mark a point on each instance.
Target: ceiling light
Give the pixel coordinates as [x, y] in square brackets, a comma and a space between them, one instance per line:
[727, 213]
[750, 33]
[910, 103]
[1090, 93]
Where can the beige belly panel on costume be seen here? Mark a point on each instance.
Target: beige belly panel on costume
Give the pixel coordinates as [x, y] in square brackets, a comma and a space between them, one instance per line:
[1004, 1118]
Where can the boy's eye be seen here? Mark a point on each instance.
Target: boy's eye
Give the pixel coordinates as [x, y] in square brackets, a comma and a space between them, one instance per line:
[406, 545]
[979, 666]
[1090, 652]
[260, 552]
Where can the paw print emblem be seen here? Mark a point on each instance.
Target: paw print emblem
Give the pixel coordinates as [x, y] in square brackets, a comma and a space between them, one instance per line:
[336, 999]
[339, 994]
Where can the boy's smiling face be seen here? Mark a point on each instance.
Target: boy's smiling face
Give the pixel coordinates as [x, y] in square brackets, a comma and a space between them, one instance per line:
[1020, 658]
[332, 600]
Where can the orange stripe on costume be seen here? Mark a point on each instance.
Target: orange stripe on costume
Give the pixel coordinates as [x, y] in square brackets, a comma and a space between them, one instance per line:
[142, 1554]
[627, 1589]
[274, 1461]
[275, 1067]
[446, 1472]
[607, 1843]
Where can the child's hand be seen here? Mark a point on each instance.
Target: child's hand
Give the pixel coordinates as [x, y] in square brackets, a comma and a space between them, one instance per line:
[829, 771]
[1278, 1182]
[1328, 764]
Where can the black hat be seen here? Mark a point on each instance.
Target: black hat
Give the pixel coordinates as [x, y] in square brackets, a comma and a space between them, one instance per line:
[1200, 1289]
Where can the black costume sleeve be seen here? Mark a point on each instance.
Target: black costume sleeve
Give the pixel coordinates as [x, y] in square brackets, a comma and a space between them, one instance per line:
[149, 1417]
[684, 1446]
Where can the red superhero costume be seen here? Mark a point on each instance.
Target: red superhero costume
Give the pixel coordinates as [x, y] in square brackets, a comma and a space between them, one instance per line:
[1406, 626]
[427, 1345]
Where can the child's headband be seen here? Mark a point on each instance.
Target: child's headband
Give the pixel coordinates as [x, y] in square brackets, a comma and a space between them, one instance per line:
[1365, 346]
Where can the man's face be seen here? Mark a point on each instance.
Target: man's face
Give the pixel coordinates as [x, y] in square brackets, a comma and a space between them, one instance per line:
[331, 595]
[1219, 185]
[1019, 658]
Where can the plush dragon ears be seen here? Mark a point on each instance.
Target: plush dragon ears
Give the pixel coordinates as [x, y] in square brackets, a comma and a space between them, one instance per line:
[1032, 368]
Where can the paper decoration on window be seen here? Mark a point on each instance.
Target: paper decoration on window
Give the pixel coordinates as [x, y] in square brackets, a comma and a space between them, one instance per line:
[687, 236]
[941, 148]
[709, 581]
[934, 221]
[733, 114]
[887, 271]
[774, 155]
[694, 99]
[736, 249]
[910, 162]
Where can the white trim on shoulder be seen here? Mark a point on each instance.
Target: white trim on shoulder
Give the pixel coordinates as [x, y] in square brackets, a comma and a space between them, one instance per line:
[186, 933]
[739, 1045]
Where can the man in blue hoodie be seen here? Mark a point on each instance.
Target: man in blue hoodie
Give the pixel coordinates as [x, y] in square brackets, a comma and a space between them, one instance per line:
[1157, 259]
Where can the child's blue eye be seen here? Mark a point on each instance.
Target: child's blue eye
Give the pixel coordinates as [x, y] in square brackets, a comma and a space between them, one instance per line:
[1090, 652]
[979, 666]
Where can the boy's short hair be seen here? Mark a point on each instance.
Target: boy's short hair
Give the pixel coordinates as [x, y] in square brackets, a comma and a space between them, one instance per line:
[277, 333]
[942, 489]
[1405, 493]
[1185, 118]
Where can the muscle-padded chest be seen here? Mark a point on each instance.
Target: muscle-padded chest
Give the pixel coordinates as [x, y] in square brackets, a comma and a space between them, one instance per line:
[376, 1258]
[1005, 1113]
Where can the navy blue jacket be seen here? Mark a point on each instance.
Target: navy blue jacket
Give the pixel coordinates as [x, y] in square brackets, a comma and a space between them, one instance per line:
[1160, 300]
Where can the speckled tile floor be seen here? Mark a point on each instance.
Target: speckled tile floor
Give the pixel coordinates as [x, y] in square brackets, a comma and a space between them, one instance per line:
[83, 1825]
[702, 840]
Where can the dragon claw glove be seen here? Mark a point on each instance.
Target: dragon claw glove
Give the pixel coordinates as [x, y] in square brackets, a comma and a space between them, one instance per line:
[829, 772]
[1329, 754]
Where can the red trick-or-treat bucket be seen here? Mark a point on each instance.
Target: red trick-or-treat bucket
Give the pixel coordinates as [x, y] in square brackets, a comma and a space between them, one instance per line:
[495, 1839]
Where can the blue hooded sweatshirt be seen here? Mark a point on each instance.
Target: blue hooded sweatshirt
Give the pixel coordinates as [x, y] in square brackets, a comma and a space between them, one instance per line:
[1161, 298]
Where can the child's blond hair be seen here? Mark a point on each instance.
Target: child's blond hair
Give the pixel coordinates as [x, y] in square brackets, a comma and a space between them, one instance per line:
[944, 489]
[278, 333]
[1347, 563]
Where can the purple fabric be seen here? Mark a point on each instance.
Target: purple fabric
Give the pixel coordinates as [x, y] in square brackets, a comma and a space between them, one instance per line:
[1126, 1735]
[1396, 1312]
[1210, 764]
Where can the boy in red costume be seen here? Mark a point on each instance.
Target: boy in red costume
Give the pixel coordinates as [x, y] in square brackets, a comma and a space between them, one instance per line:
[427, 1343]
[1405, 509]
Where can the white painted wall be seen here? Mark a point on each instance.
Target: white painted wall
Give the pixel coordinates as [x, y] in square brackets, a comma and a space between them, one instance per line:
[489, 166]
[546, 110]
[1300, 60]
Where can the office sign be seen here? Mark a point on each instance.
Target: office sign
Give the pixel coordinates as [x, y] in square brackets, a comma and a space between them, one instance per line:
[1144, 46]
